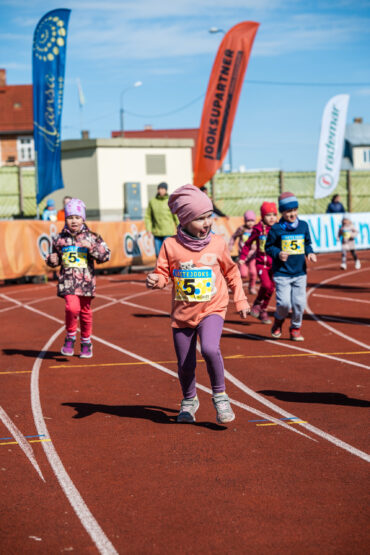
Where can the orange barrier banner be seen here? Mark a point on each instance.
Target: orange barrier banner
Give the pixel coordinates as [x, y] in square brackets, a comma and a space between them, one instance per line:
[221, 100]
[24, 244]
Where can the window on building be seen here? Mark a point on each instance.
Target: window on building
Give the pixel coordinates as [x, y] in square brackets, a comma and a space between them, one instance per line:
[366, 155]
[155, 164]
[26, 150]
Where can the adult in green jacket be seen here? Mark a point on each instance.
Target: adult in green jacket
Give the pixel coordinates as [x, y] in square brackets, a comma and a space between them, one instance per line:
[159, 219]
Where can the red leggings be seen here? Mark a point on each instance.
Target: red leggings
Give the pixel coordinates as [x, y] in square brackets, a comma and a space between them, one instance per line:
[77, 306]
[267, 287]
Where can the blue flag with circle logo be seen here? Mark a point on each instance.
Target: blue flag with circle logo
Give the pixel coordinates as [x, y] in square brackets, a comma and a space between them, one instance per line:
[48, 67]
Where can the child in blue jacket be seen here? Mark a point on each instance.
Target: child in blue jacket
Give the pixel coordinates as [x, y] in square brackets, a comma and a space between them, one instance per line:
[289, 243]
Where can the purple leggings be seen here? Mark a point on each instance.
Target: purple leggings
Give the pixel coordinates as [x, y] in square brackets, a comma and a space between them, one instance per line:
[185, 340]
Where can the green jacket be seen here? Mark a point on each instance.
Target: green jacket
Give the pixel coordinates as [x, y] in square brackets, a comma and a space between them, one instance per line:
[159, 219]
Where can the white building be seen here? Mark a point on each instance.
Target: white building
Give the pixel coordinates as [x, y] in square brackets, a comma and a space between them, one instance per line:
[357, 146]
[96, 170]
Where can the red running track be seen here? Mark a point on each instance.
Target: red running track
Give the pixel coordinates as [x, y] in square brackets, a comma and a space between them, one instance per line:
[110, 471]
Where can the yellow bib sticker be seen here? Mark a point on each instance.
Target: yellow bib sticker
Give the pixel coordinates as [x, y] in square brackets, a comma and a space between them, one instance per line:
[292, 244]
[74, 257]
[262, 242]
[347, 235]
[194, 285]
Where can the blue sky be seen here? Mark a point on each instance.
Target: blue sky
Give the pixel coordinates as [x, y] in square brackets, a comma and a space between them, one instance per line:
[166, 45]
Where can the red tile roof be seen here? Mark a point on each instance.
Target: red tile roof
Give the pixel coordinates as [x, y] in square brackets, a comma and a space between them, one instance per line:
[16, 112]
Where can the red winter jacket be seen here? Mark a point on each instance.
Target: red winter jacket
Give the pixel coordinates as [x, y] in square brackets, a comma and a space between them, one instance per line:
[259, 236]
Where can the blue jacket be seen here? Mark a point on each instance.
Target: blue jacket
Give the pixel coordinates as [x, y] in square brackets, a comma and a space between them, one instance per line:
[335, 208]
[297, 243]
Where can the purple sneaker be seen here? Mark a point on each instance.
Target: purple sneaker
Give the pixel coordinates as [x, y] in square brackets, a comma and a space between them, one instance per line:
[256, 311]
[68, 347]
[86, 350]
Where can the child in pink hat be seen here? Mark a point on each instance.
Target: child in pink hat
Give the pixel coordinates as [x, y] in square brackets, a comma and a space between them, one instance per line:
[200, 267]
[75, 249]
[242, 234]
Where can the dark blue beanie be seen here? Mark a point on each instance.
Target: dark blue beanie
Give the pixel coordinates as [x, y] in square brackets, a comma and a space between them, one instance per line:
[287, 201]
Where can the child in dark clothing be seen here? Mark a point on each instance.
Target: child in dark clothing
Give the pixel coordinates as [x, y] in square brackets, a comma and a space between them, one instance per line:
[288, 244]
[263, 261]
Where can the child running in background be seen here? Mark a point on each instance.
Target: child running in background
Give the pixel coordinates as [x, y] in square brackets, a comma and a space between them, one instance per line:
[199, 264]
[248, 267]
[75, 249]
[288, 244]
[347, 233]
[263, 261]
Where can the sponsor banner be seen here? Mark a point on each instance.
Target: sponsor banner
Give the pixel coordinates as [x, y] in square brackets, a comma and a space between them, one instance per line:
[221, 100]
[324, 230]
[25, 244]
[48, 66]
[331, 141]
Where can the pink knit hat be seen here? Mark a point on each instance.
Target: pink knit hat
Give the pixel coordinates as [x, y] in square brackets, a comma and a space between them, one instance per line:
[75, 207]
[249, 215]
[188, 202]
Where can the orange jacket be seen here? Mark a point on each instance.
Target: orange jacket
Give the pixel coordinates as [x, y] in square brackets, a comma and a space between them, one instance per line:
[200, 280]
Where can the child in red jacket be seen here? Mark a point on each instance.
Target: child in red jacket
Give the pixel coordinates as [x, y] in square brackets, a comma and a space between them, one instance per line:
[263, 261]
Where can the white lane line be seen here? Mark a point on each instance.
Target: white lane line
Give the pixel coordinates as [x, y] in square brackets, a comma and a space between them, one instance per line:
[22, 442]
[314, 430]
[87, 519]
[163, 369]
[259, 338]
[340, 298]
[324, 324]
[276, 408]
[309, 427]
[199, 386]
[296, 348]
[248, 335]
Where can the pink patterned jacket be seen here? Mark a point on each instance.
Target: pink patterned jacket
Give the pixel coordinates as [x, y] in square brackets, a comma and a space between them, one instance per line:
[77, 275]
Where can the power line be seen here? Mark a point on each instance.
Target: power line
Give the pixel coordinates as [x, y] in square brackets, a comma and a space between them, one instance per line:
[307, 84]
[250, 82]
[166, 113]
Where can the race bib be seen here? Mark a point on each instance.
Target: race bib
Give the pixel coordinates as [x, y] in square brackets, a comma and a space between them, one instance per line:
[262, 242]
[347, 235]
[74, 257]
[292, 244]
[194, 285]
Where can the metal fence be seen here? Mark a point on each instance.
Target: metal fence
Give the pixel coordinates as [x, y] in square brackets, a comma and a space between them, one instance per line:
[234, 193]
[17, 192]
[237, 192]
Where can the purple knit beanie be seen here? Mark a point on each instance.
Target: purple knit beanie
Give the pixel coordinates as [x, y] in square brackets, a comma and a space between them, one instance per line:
[249, 215]
[287, 201]
[188, 203]
[75, 207]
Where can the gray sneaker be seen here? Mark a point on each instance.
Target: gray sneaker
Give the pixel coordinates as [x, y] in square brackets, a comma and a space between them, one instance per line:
[223, 408]
[187, 410]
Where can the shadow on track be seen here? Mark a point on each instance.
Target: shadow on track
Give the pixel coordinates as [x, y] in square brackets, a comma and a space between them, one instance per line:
[324, 398]
[144, 412]
[338, 287]
[52, 355]
[151, 315]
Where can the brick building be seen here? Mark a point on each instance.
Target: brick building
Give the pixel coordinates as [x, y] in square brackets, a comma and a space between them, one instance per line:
[16, 124]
